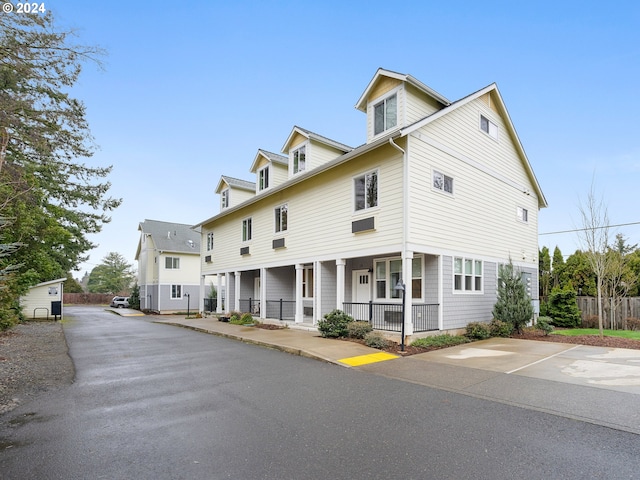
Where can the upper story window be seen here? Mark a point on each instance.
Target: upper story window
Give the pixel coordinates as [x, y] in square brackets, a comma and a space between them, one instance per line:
[442, 182]
[467, 275]
[224, 198]
[300, 159]
[281, 218]
[263, 178]
[247, 227]
[488, 127]
[365, 189]
[209, 241]
[523, 214]
[385, 114]
[172, 263]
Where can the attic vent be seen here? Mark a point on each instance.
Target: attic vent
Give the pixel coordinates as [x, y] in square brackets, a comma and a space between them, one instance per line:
[191, 244]
[169, 235]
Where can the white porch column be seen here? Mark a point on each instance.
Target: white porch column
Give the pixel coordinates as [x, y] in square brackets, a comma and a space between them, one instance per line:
[236, 300]
[299, 305]
[263, 293]
[340, 269]
[219, 292]
[317, 292]
[201, 301]
[407, 264]
[440, 295]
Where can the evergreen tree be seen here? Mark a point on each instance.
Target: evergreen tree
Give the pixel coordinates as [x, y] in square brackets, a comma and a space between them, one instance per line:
[114, 275]
[513, 305]
[562, 307]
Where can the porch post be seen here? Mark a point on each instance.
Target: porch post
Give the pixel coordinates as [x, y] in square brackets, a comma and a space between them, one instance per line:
[340, 269]
[236, 300]
[317, 292]
[299, 305]
[219, 292]
[263, 292]
[407, 264]
[201, 301]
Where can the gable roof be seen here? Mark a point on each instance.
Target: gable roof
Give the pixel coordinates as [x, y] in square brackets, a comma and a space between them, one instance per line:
[270, 156]
[314, 136]
[235, 183]
[500, 105]
[361, 104]
[50, 282]
[171, 237]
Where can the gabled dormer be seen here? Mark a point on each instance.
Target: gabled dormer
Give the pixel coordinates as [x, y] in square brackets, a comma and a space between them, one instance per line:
[395, 100]
[234, 191]
[271, 170]
[307, 150]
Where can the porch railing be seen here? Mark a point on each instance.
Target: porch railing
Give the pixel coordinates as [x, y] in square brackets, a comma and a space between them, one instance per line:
[250, 305]
[210, 304]
[280, 309]
[388, 316]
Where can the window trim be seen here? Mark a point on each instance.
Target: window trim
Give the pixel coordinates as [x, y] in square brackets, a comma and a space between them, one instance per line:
[522, 214]
[435, 172]
[493, 133]
[175, 263]
[278, 216]
[247, 233]
[224, 198]
[209, 241]
[382, 100]
[262, 177]
[354, 196]
[473, 276]
[302, 146]
[173, 285]
[307, 280]
[387, 262]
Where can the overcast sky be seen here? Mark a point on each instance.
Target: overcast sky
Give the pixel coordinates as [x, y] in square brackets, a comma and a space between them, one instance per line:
[191, 90]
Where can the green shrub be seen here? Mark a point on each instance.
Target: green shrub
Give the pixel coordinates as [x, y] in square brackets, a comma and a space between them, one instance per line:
[513, 305]
[7, 319]
[375, 340]
[499, 328]
[563, 308]
[246, 318]
[544, 324]
[444, 340]
[358, 329]
[334, 324]
[478, 331]
[241, 319]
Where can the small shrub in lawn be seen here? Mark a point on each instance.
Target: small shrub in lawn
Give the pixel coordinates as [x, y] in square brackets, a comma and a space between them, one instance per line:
[590, 322]
[444, 340]
[499, 328]
[246, 318]
[376, 340]
[358, 329]
[544, 324]
[334, 324]
[478, 331]
[633, 323]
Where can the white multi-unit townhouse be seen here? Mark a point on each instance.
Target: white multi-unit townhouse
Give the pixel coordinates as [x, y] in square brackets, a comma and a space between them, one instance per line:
[407, 229]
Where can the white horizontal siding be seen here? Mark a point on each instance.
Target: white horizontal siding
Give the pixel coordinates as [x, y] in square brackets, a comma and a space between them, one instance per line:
[418, 105]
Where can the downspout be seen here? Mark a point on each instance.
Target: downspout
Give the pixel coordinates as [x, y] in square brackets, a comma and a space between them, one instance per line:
[405, 254]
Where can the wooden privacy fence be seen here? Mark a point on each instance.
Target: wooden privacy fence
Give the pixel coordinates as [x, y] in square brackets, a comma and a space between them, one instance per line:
[87, 298]
[628, 307]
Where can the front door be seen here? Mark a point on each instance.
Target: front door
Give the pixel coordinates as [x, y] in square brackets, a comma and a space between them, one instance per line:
[361, 294]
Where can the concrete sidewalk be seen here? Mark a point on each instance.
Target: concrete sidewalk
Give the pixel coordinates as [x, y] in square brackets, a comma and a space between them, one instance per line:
[595, 385]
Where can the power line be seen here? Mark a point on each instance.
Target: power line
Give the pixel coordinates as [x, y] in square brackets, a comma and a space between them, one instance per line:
[590, 228]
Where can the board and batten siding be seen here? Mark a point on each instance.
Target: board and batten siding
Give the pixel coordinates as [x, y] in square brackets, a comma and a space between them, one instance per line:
[480, 217]
[320, 214]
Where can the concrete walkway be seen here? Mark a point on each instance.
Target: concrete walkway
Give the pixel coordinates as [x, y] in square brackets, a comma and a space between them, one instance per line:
[592, 384]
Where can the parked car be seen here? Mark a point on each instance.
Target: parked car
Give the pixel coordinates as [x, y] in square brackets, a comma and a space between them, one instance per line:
[120, 302]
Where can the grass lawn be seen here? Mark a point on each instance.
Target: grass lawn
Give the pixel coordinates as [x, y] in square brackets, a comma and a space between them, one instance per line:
[573, 332]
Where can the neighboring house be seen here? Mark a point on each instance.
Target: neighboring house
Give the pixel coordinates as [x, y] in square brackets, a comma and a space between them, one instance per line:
[168, 257]
[437, 198]
[43, 300]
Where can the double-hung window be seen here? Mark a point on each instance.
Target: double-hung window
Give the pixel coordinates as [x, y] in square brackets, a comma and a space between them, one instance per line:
[172, 263]
[176, 291]
[209, 241]
[366, 191]
[388, 273]
[247, 229]
[385, 114]
[263, 178]
[281, 218]
[467, 275]
[488, 127]
[442, 182]
[523, 214]
[300, 159]
[224, 198]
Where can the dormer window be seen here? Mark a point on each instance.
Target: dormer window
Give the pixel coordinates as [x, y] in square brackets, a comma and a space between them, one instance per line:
[300, 159]
[224, 198]
[385, 114]
[263, 178]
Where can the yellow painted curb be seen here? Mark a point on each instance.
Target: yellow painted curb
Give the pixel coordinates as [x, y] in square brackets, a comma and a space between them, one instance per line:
[365, 359]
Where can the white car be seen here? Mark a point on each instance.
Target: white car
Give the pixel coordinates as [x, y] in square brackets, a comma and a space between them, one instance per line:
[120, 302]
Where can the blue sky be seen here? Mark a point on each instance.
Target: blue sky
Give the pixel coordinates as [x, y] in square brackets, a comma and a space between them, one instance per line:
[191, 90]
